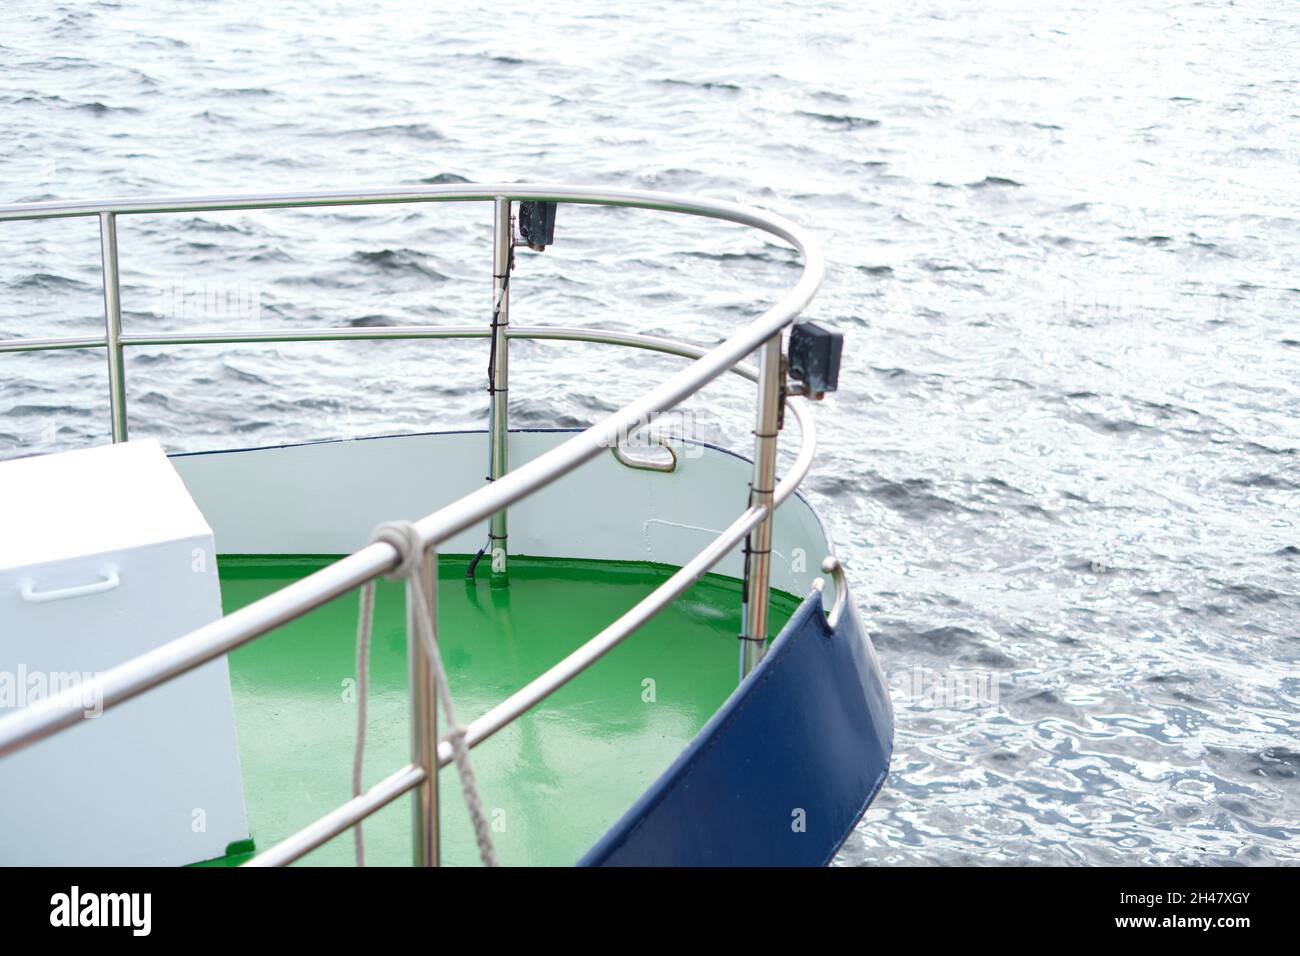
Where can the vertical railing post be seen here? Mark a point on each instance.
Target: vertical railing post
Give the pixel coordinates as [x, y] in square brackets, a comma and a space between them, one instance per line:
[759, 548]
[424, 718]
[499, 384]
[113, 324]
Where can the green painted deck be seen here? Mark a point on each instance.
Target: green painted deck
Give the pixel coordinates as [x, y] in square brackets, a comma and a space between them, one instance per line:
[554, 780]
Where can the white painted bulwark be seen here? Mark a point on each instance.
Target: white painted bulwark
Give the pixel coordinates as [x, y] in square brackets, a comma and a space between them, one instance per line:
[327, 498]
[103, 556]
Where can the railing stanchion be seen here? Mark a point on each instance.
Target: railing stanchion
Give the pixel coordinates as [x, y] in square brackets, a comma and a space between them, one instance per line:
[113, 324]
[758, 557]
[424, 719]
[499, 371]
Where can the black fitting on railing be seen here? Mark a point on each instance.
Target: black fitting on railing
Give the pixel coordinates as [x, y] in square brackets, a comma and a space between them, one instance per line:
[537, 224]
[814, 359]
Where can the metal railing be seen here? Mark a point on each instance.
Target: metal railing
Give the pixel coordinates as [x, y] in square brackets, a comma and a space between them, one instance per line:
[185, 653]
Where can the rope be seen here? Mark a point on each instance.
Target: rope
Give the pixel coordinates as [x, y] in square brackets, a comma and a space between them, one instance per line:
[404, 538]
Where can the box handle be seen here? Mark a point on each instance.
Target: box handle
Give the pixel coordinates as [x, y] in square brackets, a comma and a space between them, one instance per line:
[111, 580]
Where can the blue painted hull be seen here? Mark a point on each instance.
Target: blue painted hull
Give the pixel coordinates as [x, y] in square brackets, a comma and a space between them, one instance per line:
[782, 772]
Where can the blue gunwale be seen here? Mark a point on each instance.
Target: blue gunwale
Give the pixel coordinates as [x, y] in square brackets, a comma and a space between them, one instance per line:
[784, 770]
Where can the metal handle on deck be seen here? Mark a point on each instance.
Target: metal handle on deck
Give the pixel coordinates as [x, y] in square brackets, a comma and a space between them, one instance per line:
[645, 464]
[33, 596]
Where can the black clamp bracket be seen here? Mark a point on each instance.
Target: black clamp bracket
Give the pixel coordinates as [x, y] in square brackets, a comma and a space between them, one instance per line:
[814, 361]
[537, 224]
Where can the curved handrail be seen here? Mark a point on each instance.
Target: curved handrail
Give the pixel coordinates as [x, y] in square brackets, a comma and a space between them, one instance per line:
[210, 641]
[523, 481]
[803, 462]
[787, 486]
[221, 636]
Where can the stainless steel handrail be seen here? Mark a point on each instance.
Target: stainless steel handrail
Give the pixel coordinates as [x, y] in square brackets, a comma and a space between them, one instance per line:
[249, 337]
[125, 681]
[798, 406]
[189, 651]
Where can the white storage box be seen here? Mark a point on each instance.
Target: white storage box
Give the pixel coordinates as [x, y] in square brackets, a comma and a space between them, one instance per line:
[103, 556]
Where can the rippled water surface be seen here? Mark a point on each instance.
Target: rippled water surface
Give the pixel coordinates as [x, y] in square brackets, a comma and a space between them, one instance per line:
[1064, 462]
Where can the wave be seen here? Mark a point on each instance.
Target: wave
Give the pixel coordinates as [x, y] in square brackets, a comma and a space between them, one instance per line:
[400, 261]
[842, 121]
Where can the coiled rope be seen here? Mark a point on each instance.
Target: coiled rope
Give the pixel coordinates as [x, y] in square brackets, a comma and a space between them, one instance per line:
[404, 538]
